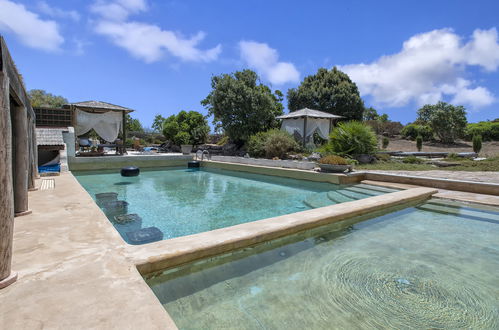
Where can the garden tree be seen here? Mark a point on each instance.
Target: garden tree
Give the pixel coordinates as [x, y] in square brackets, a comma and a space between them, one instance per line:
[157, 124]
[330, 91]
[446, 120]
[370, 114]
[242, 106]
[133, 124]
[40, 98]
[186, 128]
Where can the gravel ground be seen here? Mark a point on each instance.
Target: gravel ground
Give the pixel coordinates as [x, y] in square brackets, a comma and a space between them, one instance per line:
[489, 177]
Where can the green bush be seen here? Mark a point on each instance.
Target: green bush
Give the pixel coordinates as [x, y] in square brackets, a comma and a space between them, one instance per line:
[270, 144]
[412, 160]
[223, 141]
[489, 130]
[192, 125]
[419, 142]
[333, 160]
[351, 138]
[385, 142]
[411, 132]
[477, 143]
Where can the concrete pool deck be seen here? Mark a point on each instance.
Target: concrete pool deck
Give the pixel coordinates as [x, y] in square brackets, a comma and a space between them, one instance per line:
[75, 271]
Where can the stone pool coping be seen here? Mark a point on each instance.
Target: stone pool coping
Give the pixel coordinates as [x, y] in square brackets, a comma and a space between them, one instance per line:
[75, 271]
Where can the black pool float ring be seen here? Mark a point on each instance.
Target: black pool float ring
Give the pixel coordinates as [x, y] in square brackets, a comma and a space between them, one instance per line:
[130, 171]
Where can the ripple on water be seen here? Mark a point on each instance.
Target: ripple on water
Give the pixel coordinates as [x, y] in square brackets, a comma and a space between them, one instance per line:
[381, 292]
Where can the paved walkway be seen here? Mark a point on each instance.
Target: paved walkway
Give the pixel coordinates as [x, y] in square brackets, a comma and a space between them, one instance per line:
[489, 177]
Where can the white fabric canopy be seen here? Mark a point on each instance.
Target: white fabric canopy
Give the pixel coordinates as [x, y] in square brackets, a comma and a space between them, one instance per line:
[319, 125]
[107, 125]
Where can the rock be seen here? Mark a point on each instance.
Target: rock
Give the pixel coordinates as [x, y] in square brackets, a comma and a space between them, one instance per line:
[444, 164]
[315, 156]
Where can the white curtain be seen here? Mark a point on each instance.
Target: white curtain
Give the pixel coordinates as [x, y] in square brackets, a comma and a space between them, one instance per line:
[293, 125]
[321, 126]
[107, 125]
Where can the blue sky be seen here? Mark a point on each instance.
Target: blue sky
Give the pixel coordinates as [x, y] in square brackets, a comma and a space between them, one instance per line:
[157, 57]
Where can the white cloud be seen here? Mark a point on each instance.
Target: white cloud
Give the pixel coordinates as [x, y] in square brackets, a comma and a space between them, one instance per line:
[28, 27]
[150, 43]
[118, 10]
[145, 41]
[265, 61]
[46, 9]
[430, 67]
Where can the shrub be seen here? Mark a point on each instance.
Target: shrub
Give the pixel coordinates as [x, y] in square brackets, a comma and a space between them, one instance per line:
[385, 142]
[412, 160]
[351, 138]
[182, 138]
[273, 143]
[191, 124]
[223, 141]
[489, 130]
[412, 131]
[333, 160]
[383, 157]
[477, 143]
[446, 120]
[388, 128]
[419, 142]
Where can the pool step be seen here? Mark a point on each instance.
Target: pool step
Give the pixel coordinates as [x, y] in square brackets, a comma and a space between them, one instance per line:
[376, 188]
[318, 200]
[364, 191]
[463, 212]
[338, 198]
[353, 194]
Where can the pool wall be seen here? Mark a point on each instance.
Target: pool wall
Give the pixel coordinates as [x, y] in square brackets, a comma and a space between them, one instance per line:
[169, 253]
[336, 178]
[115, 162]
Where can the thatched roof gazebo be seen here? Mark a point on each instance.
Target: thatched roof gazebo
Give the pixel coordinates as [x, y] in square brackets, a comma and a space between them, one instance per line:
[306, 122]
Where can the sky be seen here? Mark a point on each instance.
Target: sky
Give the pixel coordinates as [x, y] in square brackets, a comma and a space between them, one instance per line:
[158, 57]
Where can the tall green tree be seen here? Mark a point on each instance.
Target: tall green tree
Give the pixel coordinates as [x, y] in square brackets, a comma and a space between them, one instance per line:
[40, 98]
[370, 114]
[133, 124]
[330, 91]
[447, 121]
[186, 128]
[157, 124]
[242, 106]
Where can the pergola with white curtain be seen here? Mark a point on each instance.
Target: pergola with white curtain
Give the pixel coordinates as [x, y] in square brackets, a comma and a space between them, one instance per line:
[306, 122]
[107, 119]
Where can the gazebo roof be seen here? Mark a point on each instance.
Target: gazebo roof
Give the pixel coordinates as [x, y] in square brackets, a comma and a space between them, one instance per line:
[308, 113]
[99, 106]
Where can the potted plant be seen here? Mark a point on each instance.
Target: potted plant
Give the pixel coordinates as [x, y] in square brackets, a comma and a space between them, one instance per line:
[184, 139]
[335, 164]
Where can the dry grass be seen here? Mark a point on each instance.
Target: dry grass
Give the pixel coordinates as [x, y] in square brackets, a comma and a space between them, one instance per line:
[489, 149]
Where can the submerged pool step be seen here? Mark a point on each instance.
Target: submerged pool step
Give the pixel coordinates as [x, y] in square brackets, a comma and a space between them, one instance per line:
[338, 198]
[318, 200]
[463, 212]
[364, 191]
[353, 194]
[380, 189]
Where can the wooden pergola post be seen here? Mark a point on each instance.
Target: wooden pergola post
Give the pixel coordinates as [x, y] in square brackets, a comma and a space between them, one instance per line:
[6, 193]
[20, 136]
[304, 132]
[123, 124]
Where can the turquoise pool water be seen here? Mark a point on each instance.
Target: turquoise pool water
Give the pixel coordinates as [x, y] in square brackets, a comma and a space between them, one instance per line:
[181, 202]
[433, 266]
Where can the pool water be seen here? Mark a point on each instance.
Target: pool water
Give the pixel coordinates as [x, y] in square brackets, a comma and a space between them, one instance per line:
[434, 266]
[181, 202]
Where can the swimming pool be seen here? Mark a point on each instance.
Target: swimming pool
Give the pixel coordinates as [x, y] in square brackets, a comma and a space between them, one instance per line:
[434, 265]
[181, 202]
